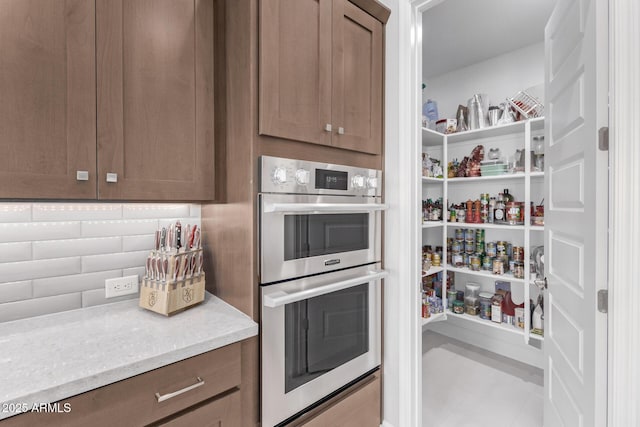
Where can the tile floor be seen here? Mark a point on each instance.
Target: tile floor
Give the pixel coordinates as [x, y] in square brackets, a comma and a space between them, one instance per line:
[464, 386]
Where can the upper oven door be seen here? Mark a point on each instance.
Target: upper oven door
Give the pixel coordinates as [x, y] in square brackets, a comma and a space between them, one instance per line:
[303, 235]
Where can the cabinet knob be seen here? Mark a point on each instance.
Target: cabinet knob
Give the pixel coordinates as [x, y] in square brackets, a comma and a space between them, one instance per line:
[340, 131]
[327, 127]
[82, 175]
[112, 177]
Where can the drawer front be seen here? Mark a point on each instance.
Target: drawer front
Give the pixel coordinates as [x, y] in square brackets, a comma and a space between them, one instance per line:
[356, 407]
[223, 411]
[134, 401]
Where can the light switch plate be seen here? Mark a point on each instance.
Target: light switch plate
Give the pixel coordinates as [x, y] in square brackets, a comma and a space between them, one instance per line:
[120, 286]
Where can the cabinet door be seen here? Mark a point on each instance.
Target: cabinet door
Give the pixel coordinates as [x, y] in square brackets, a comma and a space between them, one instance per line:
[357, 79]
[155, 99]
[47, 99]
[295, 69]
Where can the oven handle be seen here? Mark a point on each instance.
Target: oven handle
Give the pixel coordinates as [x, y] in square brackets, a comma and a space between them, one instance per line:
[323, 207]
[280, 298]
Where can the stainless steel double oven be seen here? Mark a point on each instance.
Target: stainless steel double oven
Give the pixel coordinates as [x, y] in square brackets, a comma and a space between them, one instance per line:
[320, 276]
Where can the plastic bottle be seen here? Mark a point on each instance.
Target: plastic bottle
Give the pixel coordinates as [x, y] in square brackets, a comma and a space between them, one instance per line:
[430, 111]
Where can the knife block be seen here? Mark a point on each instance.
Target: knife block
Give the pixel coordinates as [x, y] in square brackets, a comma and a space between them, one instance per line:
[172, 296]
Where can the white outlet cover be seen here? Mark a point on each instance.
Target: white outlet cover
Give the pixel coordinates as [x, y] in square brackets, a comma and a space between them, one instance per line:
[121, 286]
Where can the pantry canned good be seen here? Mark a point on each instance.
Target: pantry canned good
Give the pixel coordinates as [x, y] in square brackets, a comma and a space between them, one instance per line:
[501, 247]
[518, 253]
[451, 297]
[479, 247]
[498, 266]
[485, 305]
[519, 314]
[474, 262]
[491, 249]
[458, 307]
[459, 233]
[487, 263]
[514, 213]
[496, 308]
[469, 246]
[469, 234]
[455, 247]
[518, 270]
[435, 259]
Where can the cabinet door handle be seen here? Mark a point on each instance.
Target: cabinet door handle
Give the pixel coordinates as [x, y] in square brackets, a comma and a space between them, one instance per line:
[340, 131]
[163, 397]
[327, 127]
[112, 177]
[82, 175]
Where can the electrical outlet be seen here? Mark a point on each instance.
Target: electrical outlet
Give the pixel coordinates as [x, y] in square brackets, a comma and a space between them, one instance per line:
[120, 286]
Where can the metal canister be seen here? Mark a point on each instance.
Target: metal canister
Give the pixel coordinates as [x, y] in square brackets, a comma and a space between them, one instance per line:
[479, 247]
[490, 247]
[480, 235]
[474, 262]
[459, 233]
[469, 246]
[451, 297]
[505, 262]
[487, 263]
[518, 270]
[498, 266]
[435, 259]
[469, 234]
[501, 248]
[456, 247]
[517, 253]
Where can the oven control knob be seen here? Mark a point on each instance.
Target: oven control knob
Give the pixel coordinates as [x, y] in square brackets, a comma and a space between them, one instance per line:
[358, 182]
[302, 177]
[279, 175]
[372, 182]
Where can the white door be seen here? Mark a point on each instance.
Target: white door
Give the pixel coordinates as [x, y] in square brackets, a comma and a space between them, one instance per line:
[576, 194]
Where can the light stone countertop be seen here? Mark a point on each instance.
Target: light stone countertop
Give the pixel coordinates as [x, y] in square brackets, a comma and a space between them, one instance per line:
[48, 358]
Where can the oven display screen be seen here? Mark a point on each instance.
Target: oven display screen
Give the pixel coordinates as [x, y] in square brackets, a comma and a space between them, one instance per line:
[331, 180]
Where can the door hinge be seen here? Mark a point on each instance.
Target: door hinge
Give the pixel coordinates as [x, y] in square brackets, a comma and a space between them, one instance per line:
[603, 301]
[603, 138]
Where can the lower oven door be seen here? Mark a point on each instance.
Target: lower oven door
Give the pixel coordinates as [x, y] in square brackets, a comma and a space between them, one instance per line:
[318, 334]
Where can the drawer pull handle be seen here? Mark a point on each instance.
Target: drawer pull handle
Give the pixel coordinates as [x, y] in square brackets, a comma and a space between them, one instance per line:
[162, 398]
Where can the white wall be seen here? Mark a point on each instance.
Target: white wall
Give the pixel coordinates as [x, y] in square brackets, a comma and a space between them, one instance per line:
[499, 77]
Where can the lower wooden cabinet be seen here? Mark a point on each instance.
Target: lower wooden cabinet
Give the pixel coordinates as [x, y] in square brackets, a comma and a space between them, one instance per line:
[358, 406]
[222, 411]
[206, 386]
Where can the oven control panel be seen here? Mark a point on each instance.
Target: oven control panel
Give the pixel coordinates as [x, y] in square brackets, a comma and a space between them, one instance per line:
[280, 175]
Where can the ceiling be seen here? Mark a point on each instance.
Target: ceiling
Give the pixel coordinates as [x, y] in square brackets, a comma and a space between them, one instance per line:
[458, 33]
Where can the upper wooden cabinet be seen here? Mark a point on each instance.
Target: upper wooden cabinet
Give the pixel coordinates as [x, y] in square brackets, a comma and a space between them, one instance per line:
[321, 77]
[143, 68]
[155, 99]
[47, 99]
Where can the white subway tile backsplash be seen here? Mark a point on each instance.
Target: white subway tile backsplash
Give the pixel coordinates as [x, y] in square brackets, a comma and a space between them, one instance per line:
[76, 211]
[96, 297]
[69, 284]
[113, 261]
[138, 243]
[138, 271]
[196, 211]
[25, 232]
[39, 306]
[15, 291]
[15, 212]
[118, 228]
[55, 256]
[28, 270]
[76, 247]
[140, 210]
[13, 252]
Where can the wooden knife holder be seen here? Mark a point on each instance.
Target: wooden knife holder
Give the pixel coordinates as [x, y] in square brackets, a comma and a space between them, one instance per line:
[173, 295]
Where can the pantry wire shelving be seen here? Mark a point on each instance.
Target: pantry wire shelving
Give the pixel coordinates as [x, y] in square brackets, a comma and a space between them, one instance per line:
[432, 140]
